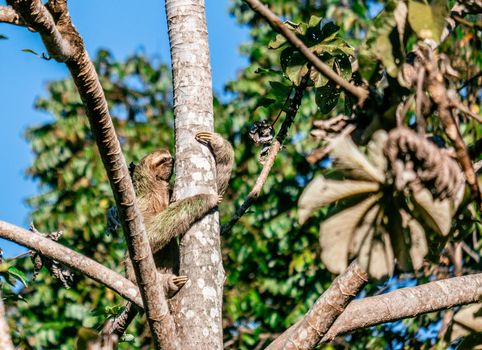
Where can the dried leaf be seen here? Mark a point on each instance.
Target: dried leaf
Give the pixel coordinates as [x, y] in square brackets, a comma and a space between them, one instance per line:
[337, 231]
[375, 150]
[468, 319]
[349, 158]
[321, 192]
[437, 214]
[418, 241]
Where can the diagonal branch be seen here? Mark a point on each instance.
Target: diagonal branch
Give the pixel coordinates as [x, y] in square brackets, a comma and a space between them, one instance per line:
[407, 302]
[323, 68]
[309, 330]
[64, 43]
[9, 15]
[270, 158]
[73, 260]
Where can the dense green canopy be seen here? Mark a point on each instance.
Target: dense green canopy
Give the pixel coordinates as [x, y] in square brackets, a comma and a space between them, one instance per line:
[272, 261]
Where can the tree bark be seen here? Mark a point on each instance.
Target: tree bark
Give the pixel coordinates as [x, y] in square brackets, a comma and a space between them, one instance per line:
[65, 44]
[309, 330]
[407, 302]
[5, 339]
[197, 308]
[73, 260]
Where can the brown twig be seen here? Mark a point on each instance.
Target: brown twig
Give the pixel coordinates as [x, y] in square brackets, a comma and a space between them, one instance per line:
[273, 151]
[444, 103]
[73, 260]
[407, 302]
[323, 68]
[320, 153]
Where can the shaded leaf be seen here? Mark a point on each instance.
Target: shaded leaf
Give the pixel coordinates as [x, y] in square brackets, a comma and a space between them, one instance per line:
[437, 214]
[418, 242]
[336, 234]
[375, 150]
[348, 158]
[327, 97]
[322, 191]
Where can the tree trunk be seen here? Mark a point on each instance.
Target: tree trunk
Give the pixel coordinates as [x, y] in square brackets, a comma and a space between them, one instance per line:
[197, 308]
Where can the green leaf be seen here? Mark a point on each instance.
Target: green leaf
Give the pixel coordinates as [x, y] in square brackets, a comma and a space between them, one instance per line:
[30, 51]
[293, 64]
[279, 89]
[314, 21]
[278, 42]
[427, 20]
[12, 270]
[326, 97]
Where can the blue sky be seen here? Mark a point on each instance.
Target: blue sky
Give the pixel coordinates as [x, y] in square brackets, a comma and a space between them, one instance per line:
[118, 25]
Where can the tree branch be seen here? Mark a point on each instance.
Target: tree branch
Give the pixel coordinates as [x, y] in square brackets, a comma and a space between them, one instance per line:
[5, 339]
[323, 68]
[407, 302]
[9, 15]
[308, 331]
[64, 43]
[73, 260]
[273, 152]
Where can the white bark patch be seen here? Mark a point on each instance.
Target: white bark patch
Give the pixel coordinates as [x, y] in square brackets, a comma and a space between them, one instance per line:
[213, 313]
[201, 283]
[205, 332]
[201, 237]
[197, 176]
[215, 328]
[203, 163]
[304, 334]
[215, 257]
[209, 293]
[190, 314]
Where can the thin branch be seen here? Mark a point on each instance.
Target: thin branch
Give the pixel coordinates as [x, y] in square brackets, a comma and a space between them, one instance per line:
[308, 331]
[407, 302]
[5, 339]
[64, 43]
[9, 15]
[323, 68]
[72, 259]
[273, 151]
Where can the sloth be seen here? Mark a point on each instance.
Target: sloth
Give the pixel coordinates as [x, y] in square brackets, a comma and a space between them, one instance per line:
[165, 220]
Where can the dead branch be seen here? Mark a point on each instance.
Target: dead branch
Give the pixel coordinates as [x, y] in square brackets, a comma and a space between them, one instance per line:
[270, 158]
[73, 260]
